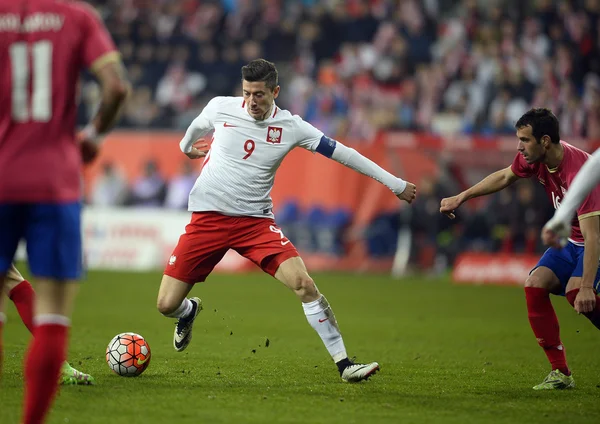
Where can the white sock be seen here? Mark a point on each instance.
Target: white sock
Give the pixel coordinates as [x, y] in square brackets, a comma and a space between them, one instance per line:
[183, 311]
[51, 319]
[321, 318]
[2, 317]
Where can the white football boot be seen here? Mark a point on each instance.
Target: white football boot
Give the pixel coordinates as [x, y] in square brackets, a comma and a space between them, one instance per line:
[359, 372]
[183, 329]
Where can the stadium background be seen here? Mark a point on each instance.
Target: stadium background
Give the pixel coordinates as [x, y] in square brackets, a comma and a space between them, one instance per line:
[428, 89]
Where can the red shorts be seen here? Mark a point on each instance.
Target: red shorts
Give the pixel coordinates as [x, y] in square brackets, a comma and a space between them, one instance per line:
[209, 235]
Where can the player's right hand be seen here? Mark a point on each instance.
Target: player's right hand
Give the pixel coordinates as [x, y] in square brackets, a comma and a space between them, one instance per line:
[199, 150]
[89, 150]
[449, 205]
[555, 233]
[585, 301]
[409, 194]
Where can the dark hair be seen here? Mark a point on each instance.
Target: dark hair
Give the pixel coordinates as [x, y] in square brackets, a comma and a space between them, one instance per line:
[543, 122]
[261, 70]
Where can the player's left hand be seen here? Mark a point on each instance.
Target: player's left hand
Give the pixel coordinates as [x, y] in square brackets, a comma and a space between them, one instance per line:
[199, 150]
[409, 194]
[555, 233]
[585, 300]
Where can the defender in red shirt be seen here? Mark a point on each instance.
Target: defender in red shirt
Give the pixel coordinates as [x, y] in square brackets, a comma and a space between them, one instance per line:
[570, 271]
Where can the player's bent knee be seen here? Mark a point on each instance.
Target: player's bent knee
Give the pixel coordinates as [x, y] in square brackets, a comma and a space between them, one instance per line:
[535, 281]
[165, 305]
[305, 288]
[170, 295]
[13, 277]
[543, 278]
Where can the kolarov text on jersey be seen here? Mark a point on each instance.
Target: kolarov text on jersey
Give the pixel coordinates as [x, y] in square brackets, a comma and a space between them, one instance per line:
[239, 170]
[556, 182]
[44, 47]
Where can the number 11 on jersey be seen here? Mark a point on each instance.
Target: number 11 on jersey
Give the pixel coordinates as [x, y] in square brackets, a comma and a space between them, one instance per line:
[41, 77]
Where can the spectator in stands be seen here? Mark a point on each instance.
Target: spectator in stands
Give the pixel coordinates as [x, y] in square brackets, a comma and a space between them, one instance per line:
[177, 89]
[460, 54]
[150, 189]
[179, 187]
[140, 110]
[110, 187]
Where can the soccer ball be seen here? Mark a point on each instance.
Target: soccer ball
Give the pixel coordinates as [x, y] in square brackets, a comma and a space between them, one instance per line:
[128, 354]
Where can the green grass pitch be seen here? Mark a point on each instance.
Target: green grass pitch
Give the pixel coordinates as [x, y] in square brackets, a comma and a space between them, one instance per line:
[449, 354]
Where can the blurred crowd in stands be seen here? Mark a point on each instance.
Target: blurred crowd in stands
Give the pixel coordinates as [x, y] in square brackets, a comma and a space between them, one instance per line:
[358, 66]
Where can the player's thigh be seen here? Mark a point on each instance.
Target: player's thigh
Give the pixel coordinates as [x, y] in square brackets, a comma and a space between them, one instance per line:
[12, 279]
[171, 293]
[262, 242]
[13, 218]
[544, 278]
[199, 249]
[553, 270]
[55, 297]
[54, 246]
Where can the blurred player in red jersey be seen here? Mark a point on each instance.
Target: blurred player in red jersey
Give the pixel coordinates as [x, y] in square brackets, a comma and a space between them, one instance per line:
[44, 45]
[570, 271]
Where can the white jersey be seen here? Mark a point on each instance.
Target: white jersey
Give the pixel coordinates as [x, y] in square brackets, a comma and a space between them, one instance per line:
[239, 170]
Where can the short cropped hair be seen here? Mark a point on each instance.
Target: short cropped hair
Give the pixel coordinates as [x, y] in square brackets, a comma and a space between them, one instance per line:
[543, 122]
[261, 70]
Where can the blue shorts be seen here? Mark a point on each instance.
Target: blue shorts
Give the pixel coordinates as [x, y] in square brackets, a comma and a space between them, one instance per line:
[566, 263]
[53, 235]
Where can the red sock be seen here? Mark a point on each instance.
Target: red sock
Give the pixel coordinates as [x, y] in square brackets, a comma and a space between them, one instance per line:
[545, 327]
[43, 363]
[593, 316]
[23, 297]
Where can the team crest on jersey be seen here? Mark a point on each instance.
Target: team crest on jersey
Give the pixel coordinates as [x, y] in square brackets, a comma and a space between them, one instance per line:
[274, 135]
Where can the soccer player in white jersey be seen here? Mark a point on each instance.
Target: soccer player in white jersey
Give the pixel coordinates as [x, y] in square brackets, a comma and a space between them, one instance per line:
[232, 207]
[557, 230]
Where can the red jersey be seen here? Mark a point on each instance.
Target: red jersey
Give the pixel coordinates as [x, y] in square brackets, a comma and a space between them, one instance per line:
[44, 45]
[557, 181]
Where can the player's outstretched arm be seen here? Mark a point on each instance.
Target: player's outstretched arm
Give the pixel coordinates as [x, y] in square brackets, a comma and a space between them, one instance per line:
[490, 184]
[352, 159]
[557, 230]
[115, 89]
